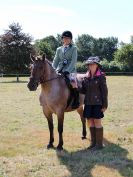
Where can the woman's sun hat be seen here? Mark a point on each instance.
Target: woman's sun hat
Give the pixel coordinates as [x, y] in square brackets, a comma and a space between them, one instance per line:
[92, 60]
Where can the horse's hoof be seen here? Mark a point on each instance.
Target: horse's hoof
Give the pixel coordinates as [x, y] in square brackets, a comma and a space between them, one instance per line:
[83, 137]
[59, 148]
[50, 146]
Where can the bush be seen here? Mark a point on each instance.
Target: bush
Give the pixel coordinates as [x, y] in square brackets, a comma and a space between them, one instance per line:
[115, 66]
[112, 66]
[125, 56]
[81, 67]
[105, 65]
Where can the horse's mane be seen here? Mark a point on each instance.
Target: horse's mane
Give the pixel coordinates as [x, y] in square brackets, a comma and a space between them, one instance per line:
[49, 62]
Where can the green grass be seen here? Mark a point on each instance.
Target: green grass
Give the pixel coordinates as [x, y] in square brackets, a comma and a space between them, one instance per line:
[130, 129]
[24, 135]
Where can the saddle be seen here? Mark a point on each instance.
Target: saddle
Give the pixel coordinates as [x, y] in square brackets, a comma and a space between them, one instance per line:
[73, 99]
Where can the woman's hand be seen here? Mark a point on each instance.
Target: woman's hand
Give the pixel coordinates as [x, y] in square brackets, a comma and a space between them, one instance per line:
[87, 74]
[74, 84]
[103, 109]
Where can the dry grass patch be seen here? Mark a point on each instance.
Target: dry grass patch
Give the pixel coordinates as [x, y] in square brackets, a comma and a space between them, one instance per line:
[24, 136]
[100, 171]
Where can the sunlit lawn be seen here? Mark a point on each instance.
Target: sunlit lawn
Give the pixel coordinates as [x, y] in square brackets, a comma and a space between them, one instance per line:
[24, 135]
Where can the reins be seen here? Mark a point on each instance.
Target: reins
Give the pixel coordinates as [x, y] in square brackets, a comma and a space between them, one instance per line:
[42, 80]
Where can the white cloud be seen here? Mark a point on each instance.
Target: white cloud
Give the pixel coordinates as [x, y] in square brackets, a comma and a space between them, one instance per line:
[37, 20]
[52, 10]
[42, 20]
[43, 9]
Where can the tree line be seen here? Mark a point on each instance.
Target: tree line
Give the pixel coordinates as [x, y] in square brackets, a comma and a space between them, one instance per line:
[16, 47]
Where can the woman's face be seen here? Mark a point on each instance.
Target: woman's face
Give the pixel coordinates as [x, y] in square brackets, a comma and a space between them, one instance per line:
[66, 40]
[92, 67]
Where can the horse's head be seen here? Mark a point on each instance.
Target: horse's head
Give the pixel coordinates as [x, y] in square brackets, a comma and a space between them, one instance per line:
[37, 72]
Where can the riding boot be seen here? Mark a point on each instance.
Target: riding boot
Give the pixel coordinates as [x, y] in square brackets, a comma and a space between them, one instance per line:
[93, 137]
[99, 139]
[75, 103]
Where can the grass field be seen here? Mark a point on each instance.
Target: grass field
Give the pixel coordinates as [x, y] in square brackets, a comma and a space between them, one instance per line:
[24, 135]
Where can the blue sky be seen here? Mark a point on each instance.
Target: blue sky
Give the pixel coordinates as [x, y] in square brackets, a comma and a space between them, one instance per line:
[99, 18]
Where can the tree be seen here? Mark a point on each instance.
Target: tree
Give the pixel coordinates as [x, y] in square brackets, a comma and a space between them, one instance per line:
[52, 41]
[42, 47]
[106, 47]
[90, 46]
[131, 39]
[47, 45]
[59, 40]
[85, 45]
[16, 48]
[125, 56]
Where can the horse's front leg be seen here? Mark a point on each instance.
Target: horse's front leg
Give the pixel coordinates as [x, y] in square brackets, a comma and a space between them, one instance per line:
[60, 130]
[80, 111]
[51, 130]
[49, 117]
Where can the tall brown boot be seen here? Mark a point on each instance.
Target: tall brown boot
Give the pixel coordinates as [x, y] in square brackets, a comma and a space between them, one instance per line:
[93, 137]
[99, 139]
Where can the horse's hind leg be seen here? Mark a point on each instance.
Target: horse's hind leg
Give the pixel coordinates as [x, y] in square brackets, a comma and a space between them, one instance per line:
[80, 111]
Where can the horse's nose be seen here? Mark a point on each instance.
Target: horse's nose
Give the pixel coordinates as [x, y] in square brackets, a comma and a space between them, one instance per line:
[32, 86]
[29, 86]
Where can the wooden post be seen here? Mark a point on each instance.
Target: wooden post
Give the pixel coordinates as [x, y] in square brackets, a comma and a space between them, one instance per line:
[17, 78]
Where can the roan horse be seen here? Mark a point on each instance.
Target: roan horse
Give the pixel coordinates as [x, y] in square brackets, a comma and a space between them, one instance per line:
[53, 97]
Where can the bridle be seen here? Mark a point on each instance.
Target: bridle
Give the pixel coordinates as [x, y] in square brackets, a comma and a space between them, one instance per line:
[42, 79]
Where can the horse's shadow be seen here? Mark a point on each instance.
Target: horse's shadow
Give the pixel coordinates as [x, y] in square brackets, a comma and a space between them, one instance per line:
[82, 163]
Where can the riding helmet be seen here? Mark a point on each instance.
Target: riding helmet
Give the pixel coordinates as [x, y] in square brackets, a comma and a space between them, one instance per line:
[67, 34]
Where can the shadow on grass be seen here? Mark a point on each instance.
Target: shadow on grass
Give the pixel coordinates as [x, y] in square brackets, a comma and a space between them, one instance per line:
[82, 162]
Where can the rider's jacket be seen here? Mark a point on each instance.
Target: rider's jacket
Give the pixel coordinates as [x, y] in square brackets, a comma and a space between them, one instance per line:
[68, 53]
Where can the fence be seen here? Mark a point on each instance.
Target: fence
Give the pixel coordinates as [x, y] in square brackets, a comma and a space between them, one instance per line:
[20, 77]
[13, 77]
[119, 73]
[107, 73]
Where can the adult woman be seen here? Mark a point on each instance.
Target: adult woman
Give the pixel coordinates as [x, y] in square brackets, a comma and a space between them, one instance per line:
[96, 101]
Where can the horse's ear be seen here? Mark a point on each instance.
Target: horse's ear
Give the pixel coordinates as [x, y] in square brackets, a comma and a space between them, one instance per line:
[44, 57]
[32, 58]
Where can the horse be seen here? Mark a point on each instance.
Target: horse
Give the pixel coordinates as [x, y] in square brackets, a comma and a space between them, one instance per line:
[53, 97]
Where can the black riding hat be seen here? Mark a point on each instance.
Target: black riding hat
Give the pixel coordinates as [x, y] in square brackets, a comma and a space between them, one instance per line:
[67, 34]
